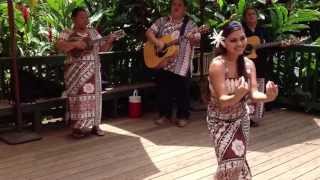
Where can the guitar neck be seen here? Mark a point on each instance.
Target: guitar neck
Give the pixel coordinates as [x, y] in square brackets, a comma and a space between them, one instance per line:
[117, 34]
[267, 45]
[98, 40]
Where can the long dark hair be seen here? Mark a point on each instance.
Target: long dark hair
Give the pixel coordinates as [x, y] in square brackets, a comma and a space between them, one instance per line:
[76, 10]
[185, 2]
[226, 31]
[246, 10]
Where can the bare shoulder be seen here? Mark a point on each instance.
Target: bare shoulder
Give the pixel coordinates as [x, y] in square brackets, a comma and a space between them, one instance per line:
[217, 61]
[248, 61]
[217, 64]
[249, 65]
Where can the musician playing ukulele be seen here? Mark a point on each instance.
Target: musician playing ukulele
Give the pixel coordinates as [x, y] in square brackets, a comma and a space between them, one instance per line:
[82, 74]
[252, 29]
[174, 74]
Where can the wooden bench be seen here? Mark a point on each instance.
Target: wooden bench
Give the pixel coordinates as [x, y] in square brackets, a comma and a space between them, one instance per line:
[59, 104]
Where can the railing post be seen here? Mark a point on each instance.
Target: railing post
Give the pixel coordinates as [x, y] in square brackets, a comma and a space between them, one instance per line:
[202, 6]
[13, 53]
[18, 136]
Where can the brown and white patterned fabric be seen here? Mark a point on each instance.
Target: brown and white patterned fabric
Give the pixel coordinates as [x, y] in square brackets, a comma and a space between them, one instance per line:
[165, 26]
[83, 85]
[229, 131]
[257, 109]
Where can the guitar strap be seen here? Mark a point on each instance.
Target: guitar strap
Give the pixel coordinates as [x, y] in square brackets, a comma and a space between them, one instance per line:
[182, 30]
[184, 25]
[161, 28]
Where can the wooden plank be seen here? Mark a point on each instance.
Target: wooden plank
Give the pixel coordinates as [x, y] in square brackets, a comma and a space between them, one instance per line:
[65, 152]
[140, 150]
[201, 172]
[136, 161]
[282, 164]
[60, 138]
[311, 174]
[213, 159]
[69, 143]
[206, 170]
[269, 167]
[266, 154]
[209, 170]
[298, 168]
[167, 165]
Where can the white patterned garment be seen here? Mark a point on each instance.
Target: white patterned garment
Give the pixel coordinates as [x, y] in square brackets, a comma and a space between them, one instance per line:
[229, 130]
[83, 84]
[165, 26]
[257, 108]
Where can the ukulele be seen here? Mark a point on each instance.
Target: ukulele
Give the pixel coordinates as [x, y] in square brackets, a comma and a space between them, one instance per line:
[76, 53]
[154, 56]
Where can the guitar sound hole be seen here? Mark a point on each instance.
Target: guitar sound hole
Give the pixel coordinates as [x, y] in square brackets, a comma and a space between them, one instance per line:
[162, 53]
[248, 49]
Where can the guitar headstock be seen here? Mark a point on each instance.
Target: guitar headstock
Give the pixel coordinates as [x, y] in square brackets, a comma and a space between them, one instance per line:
[293, 41]
[203, 29]
[119, 34]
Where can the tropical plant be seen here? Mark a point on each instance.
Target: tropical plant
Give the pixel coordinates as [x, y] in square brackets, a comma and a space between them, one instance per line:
[39, 22]
[4, 26]
[285, 22]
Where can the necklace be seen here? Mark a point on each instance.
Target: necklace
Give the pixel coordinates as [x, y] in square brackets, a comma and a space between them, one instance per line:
[82, 34]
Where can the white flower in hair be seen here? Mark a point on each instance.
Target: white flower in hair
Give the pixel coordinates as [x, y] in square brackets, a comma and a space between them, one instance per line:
[217, 38]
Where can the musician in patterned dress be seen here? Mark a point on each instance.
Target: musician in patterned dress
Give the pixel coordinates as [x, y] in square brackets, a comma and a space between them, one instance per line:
[82, 74]
[252, 28]
[232, 81]
[173, 78]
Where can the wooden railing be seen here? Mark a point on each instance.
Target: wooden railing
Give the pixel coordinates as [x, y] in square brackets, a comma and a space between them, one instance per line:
[196, 65]
[42, 77]
[296, 69]
[42, 84]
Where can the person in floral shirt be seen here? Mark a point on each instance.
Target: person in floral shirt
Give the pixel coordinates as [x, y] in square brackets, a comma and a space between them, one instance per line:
[173, 77]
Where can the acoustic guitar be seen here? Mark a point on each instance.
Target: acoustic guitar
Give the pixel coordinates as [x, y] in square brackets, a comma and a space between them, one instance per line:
[254, 43]
[90, 43]
[153, 56]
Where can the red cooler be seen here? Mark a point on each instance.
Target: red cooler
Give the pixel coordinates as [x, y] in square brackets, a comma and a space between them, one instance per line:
[134, 105]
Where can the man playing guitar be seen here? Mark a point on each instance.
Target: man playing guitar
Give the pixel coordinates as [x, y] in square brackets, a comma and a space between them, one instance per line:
[174, 73]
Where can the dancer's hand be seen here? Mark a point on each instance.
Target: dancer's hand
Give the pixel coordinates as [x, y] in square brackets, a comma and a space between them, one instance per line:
[271, 90]
[243, 88]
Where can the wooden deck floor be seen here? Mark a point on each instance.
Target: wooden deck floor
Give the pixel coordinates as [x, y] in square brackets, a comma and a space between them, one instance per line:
[285, 146]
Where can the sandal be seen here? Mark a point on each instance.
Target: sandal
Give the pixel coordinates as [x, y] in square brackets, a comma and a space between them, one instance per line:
[97, 131]
[77, 133]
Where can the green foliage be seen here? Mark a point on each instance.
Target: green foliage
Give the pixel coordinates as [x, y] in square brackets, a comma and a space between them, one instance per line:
[33, 31]
[135, 16]
[284, 22]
